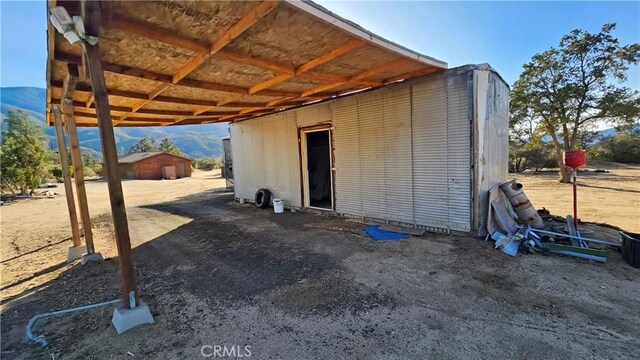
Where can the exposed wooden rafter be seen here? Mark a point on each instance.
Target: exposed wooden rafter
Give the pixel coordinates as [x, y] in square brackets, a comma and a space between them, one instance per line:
[164, 36]
[363, 75]
[257, 13]
[331, 55]
[148, 75]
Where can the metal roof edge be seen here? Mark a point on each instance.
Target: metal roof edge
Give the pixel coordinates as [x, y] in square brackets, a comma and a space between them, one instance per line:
[356, 30]
[455, 70]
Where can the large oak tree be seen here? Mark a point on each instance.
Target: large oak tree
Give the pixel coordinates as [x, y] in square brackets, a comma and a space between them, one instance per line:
[568, 89]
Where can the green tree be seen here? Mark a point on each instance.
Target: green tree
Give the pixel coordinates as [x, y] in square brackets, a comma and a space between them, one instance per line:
[622, 147]
[146, 144]
[567, 89]
[169, 146]
[22, 153]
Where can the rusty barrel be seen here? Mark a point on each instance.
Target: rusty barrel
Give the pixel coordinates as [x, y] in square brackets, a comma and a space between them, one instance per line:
[521, 204]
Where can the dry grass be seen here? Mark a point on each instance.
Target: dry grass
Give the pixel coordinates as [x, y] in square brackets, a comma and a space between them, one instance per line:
[612, 198]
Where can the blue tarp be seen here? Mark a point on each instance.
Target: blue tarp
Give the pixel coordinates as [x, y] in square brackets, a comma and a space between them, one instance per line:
[378, 234]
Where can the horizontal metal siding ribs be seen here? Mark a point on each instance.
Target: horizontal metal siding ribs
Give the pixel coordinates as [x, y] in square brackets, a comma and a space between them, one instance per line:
[398, 190]
[459, 152]
[267, 157]
[372, 170]
[429, 117]
[293, 159]
[346, 137]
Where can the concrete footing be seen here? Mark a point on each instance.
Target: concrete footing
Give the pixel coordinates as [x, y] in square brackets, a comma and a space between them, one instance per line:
[91, 257]
[124, 318]
[76, 252]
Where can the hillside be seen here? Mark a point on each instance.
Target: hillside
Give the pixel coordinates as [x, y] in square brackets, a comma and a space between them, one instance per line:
[196, 141]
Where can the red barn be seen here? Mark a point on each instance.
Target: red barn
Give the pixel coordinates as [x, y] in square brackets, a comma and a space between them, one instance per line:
[153, 166]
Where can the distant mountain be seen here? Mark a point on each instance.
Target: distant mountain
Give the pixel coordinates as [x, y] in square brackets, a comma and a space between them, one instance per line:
[196, 141]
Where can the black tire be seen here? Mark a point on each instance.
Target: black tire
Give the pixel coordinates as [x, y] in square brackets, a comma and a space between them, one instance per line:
[263, 198]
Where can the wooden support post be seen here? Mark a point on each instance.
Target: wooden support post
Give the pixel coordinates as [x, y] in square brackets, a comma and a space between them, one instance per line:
[76, 158]
[91, 15]
[62, 150]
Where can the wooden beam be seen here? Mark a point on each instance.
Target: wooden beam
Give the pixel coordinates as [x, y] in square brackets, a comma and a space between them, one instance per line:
[260, 63]
[331, 55]
[89, 102]
[122, 117]
[189, 67]
[273, 81]
[229, 99]
[141, 96]
[363, 75]
[382, 68]
[412, 74]
[80, 108]
[243, 24]
[321, 88]
[234, 31]
[158, 34]
[308, 66]
[251, 109]
[68, 189]
[278, 101]
[78, 174]
[91, 15]
[76, 158]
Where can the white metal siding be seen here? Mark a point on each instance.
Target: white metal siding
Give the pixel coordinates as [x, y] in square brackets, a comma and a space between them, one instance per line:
[373, 155]
[402, 153]
[492, 131]
[429, 116]
[459, 150]
[441, 153]
[397, 155]
[266, 152]
[346, 139]
[371, 138]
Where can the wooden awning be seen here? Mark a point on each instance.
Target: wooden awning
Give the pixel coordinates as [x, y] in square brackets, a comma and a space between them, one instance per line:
[193, 62]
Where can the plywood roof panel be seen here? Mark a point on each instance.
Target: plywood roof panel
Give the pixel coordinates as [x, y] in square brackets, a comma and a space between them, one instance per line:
[309, 37]
[181, 59]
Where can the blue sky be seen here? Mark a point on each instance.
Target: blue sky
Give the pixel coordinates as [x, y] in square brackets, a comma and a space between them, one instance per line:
[504, 34]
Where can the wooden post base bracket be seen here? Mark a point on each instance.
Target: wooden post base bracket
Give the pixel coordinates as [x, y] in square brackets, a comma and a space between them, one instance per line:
[76, 252]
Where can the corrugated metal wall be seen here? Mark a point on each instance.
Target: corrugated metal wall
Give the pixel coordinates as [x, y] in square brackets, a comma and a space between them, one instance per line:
[272, 160]
[346, 140]
[402, 153]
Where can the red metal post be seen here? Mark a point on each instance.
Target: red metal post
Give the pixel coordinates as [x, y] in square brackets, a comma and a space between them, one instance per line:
[575, 198]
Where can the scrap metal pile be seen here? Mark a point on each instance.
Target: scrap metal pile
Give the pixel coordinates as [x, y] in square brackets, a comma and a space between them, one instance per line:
[515, 225]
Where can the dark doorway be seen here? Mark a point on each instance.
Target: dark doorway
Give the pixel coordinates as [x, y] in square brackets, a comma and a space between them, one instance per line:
[319, 169]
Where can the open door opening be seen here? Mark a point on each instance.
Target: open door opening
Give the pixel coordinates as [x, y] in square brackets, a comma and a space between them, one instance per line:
[318, 186]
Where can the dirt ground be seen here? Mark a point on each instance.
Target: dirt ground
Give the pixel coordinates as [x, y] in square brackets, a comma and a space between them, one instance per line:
[300, 285]
[612, 198]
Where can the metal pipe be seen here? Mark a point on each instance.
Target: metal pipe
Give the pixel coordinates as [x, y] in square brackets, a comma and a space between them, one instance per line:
[576, 237]
[575, 198]
[40, 339]
[580, 255]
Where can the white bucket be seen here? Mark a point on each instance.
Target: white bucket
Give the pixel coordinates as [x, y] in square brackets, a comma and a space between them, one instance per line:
[278, 206]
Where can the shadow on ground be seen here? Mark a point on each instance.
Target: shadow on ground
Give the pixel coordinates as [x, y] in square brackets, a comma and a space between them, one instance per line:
[299, 285]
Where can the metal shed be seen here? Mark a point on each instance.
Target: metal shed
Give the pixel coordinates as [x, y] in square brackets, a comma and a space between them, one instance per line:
[168, 63]
[422, 152]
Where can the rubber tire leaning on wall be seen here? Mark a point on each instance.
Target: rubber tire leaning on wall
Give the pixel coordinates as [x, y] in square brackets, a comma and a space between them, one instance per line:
[263, 198]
